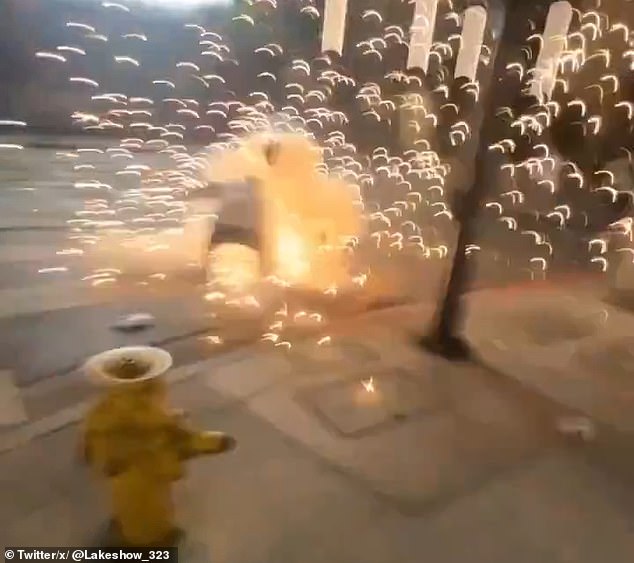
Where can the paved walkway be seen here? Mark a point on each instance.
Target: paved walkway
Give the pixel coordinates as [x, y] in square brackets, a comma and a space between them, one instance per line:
[274, 500]
[566, 342]
[40, 382]
[363, 450]
[570, 346]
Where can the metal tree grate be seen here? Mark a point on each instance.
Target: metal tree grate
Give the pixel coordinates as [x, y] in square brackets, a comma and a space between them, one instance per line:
[368, 402]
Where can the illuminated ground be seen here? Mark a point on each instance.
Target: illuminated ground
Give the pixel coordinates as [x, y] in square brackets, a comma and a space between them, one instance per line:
[460, 463]
[43, 289]
[451, 462]
[354, 445]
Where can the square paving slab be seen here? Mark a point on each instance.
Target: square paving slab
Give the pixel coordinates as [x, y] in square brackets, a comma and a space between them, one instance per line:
[365, 402]
[309, 355]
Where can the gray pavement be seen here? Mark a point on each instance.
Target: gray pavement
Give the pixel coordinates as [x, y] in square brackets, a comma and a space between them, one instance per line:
[504, 326]
[574, 347]
[44, 383]
[446, 462]
[433, 464]
[79, 332]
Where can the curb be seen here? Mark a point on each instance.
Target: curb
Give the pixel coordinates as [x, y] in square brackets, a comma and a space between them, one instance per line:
[28, 432]
[21, 228]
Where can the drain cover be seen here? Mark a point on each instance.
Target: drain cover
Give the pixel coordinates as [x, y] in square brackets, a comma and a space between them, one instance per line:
[362, 404]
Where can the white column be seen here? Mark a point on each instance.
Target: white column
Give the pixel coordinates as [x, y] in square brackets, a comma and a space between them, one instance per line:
[554, 41]
[334, 25]
[473, 26]
[422, 34]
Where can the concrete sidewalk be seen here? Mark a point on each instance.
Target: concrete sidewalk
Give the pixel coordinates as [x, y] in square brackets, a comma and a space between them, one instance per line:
[568, 343]
[441, 462]
[571, 346]
[42, 354]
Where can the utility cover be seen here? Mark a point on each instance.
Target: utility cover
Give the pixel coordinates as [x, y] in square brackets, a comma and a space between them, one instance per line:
[373, 399]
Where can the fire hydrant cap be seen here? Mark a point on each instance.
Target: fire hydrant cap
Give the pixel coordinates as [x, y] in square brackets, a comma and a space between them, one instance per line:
[157, 360]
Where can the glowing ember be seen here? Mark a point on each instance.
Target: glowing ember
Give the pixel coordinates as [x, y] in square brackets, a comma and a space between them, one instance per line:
[352, 162]
[368, 385]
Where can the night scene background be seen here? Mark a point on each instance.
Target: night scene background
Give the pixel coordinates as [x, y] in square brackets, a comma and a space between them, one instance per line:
[386, 245]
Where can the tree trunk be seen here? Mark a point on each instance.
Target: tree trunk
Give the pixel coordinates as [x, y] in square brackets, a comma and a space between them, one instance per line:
[445, 337]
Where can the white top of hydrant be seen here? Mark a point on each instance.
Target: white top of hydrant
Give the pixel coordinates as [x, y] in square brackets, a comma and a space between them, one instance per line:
[159, 362]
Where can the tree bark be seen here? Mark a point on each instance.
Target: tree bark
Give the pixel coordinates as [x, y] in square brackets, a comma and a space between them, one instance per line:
[445, 337]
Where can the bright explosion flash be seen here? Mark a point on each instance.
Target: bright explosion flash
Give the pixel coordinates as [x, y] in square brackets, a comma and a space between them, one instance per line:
[388, 147]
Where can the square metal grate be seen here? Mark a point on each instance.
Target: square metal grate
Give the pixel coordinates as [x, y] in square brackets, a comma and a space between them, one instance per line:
[365, 403]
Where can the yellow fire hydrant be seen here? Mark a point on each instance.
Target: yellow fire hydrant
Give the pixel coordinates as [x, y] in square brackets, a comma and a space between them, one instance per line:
[133, 439]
